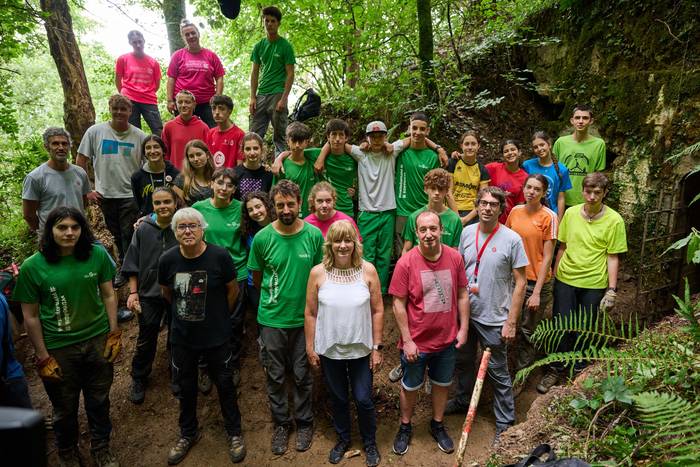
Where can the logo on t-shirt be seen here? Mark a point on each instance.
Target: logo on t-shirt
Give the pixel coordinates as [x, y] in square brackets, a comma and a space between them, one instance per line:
[274, 286]
[63, 318]
[437, 291]
[219, 159]
[111, 147]
[191, 295]
[576, 163]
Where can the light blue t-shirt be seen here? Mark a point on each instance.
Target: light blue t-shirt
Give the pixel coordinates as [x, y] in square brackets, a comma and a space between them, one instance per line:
[557, 182]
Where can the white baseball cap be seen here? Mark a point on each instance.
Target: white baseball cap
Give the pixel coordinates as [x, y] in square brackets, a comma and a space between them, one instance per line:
[375, 127]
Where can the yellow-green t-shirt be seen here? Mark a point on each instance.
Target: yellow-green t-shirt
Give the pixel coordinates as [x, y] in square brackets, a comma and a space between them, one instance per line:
[588, 244]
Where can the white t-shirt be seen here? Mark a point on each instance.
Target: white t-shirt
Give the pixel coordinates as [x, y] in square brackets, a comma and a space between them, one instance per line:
[115, 156]
[376, 178]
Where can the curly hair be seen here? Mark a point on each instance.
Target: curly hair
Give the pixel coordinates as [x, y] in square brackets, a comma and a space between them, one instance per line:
[337, 231]
[285, 188]
[48, 246]
[248, 225]
[437, 178]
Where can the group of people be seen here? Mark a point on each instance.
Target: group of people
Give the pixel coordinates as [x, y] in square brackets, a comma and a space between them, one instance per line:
[306, 243]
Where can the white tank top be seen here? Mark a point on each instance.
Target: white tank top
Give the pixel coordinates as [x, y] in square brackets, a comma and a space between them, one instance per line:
[344, 318]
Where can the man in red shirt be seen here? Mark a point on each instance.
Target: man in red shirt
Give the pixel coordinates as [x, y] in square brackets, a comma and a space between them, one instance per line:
[137, 77]
[429, 286]
[224, 140]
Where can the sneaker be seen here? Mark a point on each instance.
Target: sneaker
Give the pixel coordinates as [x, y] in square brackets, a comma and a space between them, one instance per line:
[395, 374]
[138, 391]
[373, 457]
[124, 315]
[548, 380]
[439, 432]
[338, 451]
[204, 381]
[103, 457]
[280, 439]
[69, 457]
[453, 406]
[181, 448]
[305, 434]
[237, 450]
[402, 439]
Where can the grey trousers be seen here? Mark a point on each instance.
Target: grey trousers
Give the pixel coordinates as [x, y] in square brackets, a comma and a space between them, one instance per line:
[265, 114]
[283, 351]
[466, 369]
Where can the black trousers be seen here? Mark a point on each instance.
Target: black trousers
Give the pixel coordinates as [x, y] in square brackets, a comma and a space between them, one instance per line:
[152, 310]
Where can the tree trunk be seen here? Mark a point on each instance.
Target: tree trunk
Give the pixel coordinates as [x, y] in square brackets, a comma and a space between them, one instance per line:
[425, 47]
[352, 66]
[174, 12]
[78, 111]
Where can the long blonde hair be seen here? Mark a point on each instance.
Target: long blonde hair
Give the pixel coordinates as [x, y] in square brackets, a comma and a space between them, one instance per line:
[188, 171]
[337, 231]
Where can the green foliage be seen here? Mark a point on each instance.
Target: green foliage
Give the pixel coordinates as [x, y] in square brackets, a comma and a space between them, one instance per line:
[690, 310]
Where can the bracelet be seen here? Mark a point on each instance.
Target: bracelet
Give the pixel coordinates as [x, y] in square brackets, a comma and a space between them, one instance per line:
[132, 293]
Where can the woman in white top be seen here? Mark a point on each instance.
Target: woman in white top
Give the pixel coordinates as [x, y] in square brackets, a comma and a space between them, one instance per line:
[344, 317]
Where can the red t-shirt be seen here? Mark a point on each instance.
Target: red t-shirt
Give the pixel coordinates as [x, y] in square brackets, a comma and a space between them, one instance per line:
[140, 78]
[225, 146]
[511, 183]
[195, 73]
[177, 133]
[325, 225]
[431, 290]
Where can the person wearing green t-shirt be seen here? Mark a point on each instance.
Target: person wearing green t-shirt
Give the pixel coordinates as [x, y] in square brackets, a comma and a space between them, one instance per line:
[581, 152]
[70, 314]
[297, 164]
[436, 185]
[281, 257]
[592, 236]
[271, 80]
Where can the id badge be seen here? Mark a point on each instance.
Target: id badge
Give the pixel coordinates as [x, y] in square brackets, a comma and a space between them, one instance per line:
[474, 288]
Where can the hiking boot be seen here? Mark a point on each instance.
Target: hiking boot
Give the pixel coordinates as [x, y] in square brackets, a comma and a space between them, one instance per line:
[103, 457]
[338, 451]
[548, 380]
[69, 457]
[204, 381]
[182, 447]
[373, 457]
[305, 434]
[138, 391]
[280, 439]
[237, 450]
[497, 437]
[395, 374]
[439, 432]
[453, 406]
[402, 439]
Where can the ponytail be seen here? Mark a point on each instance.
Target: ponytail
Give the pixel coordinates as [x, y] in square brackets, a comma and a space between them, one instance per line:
[543, 135]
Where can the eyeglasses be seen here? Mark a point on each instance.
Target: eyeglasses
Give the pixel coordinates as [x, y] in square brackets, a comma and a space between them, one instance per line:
[494, 204]
[184, 227]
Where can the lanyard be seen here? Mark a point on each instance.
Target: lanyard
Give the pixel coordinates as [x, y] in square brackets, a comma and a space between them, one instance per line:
[480, 252]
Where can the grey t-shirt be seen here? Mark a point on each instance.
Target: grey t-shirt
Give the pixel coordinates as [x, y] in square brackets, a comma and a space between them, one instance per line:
[504, 252]
[54, 188]
[115, 156]
[376, 178]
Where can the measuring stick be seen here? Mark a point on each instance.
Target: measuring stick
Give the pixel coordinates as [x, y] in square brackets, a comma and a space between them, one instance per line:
[471, 413]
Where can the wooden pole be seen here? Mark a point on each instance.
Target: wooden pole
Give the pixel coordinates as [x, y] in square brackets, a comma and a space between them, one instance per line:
[471, 413]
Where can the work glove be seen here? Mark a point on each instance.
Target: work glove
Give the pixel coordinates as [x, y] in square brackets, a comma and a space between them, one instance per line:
[113, 345]
[49, 369]
[608, 300]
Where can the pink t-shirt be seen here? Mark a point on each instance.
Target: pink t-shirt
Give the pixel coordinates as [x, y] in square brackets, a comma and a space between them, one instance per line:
[511, 183]
[177, 133]
[431, 290]
[225, 146]
[325, 225]
[140, 78]
[196, 73]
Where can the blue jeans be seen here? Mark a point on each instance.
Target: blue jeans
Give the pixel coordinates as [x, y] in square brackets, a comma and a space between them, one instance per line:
[150, 113]
[339, 376]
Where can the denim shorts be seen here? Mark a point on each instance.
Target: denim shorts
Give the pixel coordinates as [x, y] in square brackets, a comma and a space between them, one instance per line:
[440, 364]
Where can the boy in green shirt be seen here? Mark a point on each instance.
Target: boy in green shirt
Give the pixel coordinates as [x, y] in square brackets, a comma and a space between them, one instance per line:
[296, 165]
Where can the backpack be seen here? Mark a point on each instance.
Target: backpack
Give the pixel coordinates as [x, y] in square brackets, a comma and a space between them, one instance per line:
[535, 459]
[307, 108]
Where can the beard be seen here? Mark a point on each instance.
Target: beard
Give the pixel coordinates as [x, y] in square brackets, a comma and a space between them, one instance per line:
[287, 219]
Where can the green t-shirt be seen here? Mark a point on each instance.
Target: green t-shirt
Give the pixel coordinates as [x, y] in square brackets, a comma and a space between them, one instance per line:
[272, 58]
[303, 175]
[588, 244]
[411, 167]
[340, 170]
[71, 309]
[581, 159]
[285, 261]
[451, 227]
[224, 231]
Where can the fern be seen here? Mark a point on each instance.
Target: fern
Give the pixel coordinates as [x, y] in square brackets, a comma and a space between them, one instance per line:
[674, 423]
[690, 311]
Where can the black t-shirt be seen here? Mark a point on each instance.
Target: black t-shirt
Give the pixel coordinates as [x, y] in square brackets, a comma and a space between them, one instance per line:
[252, 180]
[143, 183]
[200, 312]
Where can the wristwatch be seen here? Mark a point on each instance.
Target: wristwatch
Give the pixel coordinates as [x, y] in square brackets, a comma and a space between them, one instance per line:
[379, 347]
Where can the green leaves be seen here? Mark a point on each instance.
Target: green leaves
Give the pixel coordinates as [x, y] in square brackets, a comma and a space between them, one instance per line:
[614, 389]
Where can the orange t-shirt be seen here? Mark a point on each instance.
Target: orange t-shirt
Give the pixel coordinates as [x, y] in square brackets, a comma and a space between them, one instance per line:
[534, 229]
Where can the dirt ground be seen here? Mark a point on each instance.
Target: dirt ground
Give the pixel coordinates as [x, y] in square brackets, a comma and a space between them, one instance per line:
[143, 434]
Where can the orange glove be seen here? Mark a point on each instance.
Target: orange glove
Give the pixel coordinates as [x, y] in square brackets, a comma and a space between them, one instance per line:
[49, 369]
[113, 345]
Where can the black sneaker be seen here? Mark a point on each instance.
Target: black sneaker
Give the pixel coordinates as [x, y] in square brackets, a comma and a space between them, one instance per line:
[305, 435]
[402, 439]
[280, 439]
[373, 457]
[338, 451]
[138, 391]
[439, 432]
